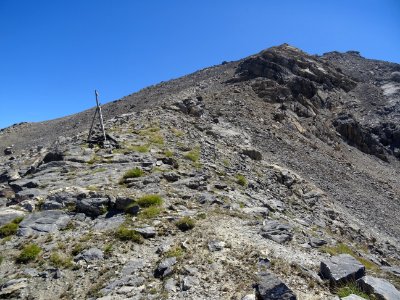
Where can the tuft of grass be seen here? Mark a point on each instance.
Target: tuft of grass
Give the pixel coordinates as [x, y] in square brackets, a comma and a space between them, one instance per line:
[133, 173]
[28, 253]
[177, 132]
[241, 180]
[174, 252]
[17, 220]
[350, 288]
[150, 212]
[149, 200]
[78, 248]
[108, 248]
[8, 229]
[126, 234]
[94, 159]
[339, 248]
[185, 224]
[156, 138]
[193, 155]
[1, 259]
[99, 170]
[60, 261]
[168, 153]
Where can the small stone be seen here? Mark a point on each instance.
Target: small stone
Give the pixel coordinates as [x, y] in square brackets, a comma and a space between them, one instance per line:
[216, 245]
[249, 297]
[165, 267]
[90, 255]
[315, 242]
[353, 297]
[188, 282]
[170, 285]
[171, 176]
[147, 232]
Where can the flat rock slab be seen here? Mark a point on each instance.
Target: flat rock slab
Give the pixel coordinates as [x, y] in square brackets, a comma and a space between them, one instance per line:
[8, 214]
[342, 268]
[380, 288]
[277, 232]
[165, 268]
[43, 222]
[270, 287]
[146, 232]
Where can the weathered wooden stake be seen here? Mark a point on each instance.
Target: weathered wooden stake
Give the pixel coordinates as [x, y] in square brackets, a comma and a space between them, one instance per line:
[98, 109]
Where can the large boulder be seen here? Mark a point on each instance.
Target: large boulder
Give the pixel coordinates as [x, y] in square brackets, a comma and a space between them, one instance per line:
[43, 222]
[380, 288]
[270, 287]
[342, 268]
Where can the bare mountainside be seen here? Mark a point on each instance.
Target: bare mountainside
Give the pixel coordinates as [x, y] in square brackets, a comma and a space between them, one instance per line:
[273, 177]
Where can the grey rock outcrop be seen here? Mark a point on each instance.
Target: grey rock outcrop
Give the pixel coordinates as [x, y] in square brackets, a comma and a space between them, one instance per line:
[342, 268]
[43, 222]
[380, 288]
[276, 231]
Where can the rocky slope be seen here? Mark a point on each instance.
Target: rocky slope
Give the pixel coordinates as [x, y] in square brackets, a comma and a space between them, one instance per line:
[274, 177]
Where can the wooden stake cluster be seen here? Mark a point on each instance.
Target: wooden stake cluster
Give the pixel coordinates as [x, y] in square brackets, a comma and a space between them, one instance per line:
[98, 110]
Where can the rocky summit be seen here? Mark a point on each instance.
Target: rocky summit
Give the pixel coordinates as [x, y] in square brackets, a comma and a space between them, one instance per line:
[273, 177]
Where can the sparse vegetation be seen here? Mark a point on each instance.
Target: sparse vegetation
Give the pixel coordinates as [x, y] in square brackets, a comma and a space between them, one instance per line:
[241, 180]
[10, 228]
[150, 212]
[1, 259]
[133, 173]
[28, 253]
[168, 153]
[193, 155]
[174, 252]
[108, 248]
[126, 234]
[350, 288]
[60, 261]
[156, 138]
[185, 224]
[77, 249]
[149, 200]
[177, 132]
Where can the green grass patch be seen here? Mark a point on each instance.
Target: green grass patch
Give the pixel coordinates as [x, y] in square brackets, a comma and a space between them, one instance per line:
[177, 132]
[8, 229]
[168, 153]
[78, 248]
[133, 173]
[60, 261]
[193, 155]
[149, 200]
[185, 224]
[108, 248]
[350, 288]
[99, 170]
[156, 138]
[126, 234]
[28, 253]
[175, 252]
[241, 180]
[1, 259]
[150, 212]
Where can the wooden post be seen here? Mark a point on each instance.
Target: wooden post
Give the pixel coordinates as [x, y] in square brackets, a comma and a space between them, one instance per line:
[98, 109]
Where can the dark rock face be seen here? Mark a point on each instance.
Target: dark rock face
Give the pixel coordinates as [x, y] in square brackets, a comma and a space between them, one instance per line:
[380, 140]
[53, 156]
[342, 268]
[92, 207]
[270, 287]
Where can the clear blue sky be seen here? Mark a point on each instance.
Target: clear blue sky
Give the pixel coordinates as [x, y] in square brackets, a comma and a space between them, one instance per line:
[54, 53]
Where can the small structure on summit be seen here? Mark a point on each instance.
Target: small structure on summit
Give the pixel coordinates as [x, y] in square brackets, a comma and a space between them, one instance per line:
[100, 137]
